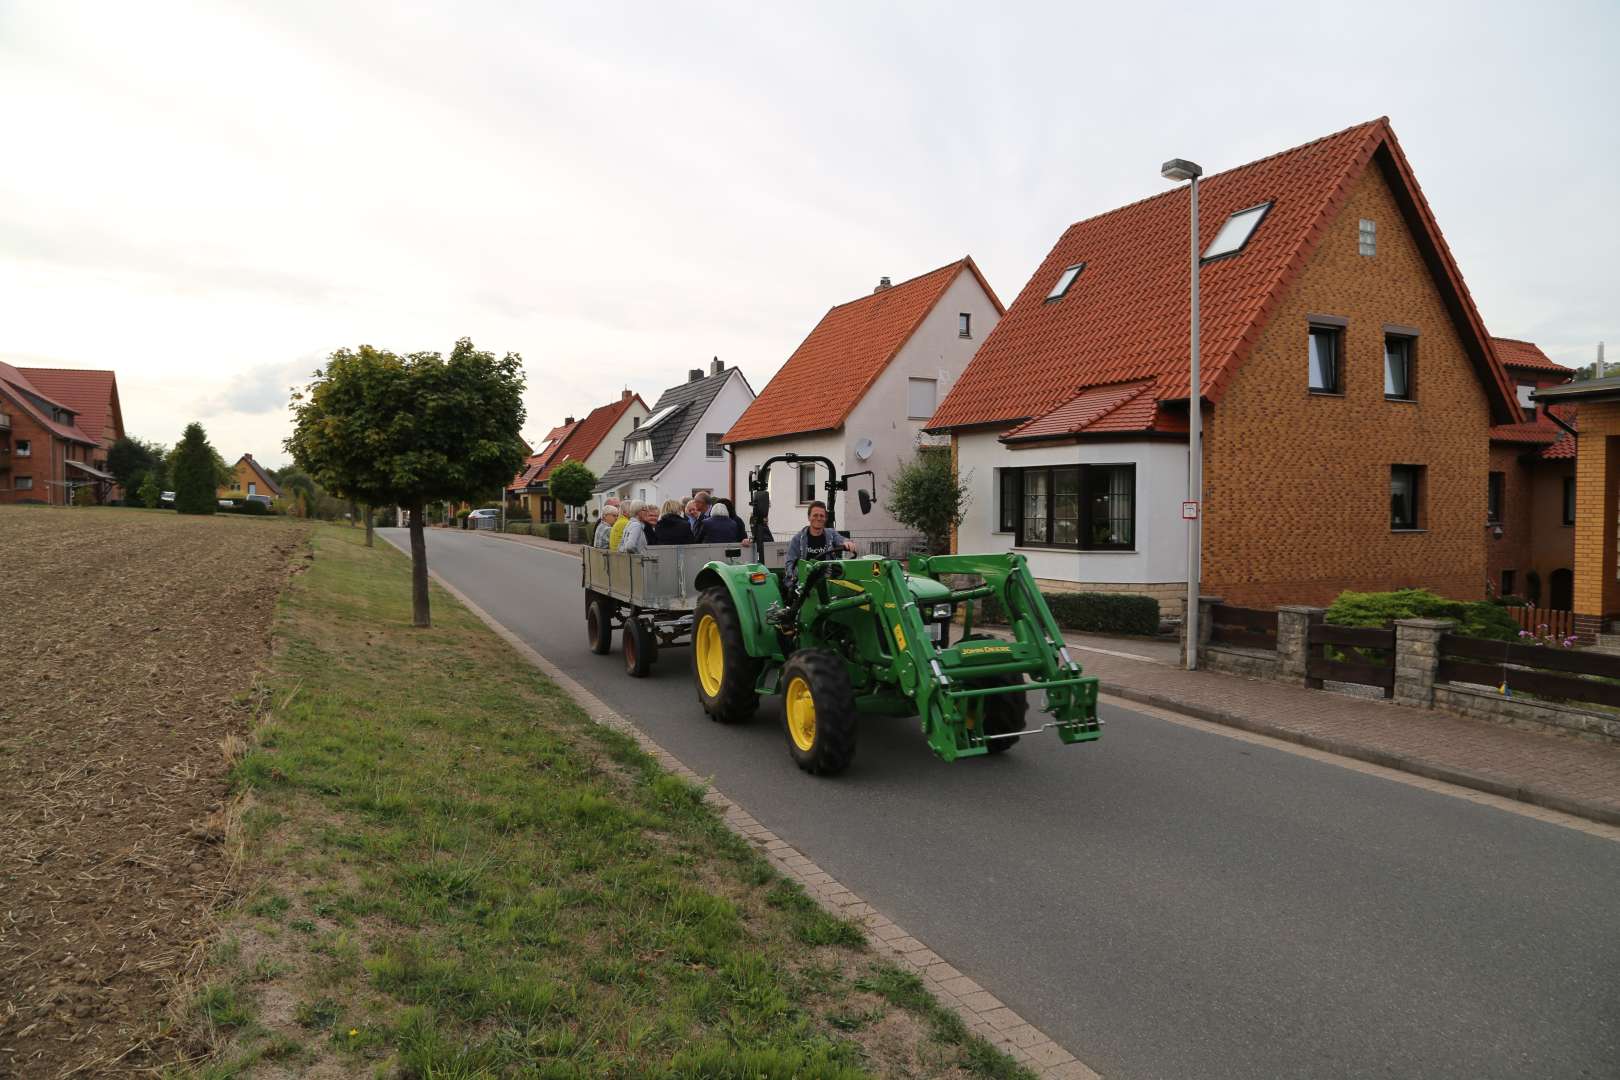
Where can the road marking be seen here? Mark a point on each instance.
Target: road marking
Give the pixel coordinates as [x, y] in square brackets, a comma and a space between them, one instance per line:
[984, 1015]
[1439, 787]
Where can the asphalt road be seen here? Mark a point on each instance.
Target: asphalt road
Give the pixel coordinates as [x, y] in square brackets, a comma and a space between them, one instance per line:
[1166, 902]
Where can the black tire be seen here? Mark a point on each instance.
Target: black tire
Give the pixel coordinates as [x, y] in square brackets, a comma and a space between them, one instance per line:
[828, 746]
[1001, 714]
[640, 648]
[599, 624]
[729, 698]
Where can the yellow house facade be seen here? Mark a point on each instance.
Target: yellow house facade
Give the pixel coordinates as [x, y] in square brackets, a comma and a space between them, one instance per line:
[248, 477]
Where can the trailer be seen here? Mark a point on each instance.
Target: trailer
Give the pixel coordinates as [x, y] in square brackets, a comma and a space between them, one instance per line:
[650, 597]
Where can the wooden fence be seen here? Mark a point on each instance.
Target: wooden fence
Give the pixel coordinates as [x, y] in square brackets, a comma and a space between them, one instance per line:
[1368, 656]
[1560, 624]
[1546, 671]
[1245, 627]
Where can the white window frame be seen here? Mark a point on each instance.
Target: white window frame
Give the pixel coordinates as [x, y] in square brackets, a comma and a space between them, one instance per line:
[23, 448]
[1236, 232]
[23, 483]
[807, 483]
[911, 399]
[1065, 281]
[964, 324]
[711, 445]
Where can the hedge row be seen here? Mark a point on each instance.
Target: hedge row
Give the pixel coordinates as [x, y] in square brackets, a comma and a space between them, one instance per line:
[1091, 613]
[552, 530]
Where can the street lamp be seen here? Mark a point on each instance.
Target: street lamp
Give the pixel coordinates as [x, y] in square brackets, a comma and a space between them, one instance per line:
[1179, 169]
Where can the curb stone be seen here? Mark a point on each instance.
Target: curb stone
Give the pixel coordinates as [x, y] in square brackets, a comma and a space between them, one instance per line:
[984, 1014]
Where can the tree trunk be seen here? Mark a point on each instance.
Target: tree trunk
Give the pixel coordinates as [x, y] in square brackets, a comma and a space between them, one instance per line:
[367, 511]
[419, 575]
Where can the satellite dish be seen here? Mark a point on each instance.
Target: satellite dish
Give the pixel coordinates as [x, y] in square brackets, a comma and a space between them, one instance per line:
[863, 449]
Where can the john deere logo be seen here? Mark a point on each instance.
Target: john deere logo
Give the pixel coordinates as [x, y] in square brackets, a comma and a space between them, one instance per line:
[987, 650]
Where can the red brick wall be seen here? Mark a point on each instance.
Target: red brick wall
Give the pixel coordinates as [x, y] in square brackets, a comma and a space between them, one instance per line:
[43, 464]
[1298, 484]
[1512, 552]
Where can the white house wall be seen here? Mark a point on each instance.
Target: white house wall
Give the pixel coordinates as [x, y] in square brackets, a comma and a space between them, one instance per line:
[691, 468]
[935, 351]
[601, 459]
[788, 515]
[1160, 558]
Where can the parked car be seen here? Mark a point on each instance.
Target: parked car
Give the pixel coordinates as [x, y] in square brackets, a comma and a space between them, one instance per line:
[166, 498]
[487, 518]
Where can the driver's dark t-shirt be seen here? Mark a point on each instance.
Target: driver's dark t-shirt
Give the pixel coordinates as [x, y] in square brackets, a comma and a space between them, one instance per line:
[806, 545]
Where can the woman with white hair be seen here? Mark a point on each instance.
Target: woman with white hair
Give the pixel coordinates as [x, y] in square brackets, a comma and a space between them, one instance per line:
[604, 528]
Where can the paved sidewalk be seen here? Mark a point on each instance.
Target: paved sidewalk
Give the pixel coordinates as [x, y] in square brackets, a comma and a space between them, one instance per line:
[1551, 771]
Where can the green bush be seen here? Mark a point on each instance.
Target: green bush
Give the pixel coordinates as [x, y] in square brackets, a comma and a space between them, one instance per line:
[1480, 618]
[249, 507]
[557, 530]
[1090, 613]
[524, 526]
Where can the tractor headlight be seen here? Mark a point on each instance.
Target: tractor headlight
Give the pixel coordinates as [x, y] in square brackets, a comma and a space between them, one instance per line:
[940, 613]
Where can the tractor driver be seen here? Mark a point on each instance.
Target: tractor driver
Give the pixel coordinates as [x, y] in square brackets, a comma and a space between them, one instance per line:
[815, 541]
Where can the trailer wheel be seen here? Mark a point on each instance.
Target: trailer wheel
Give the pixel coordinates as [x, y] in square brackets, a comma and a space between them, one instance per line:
[1001, 714]
[722, 669]
[598, 624]
[640, 648]
[818, 712]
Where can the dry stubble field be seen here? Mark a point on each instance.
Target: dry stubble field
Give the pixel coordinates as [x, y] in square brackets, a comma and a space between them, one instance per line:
[132, 639]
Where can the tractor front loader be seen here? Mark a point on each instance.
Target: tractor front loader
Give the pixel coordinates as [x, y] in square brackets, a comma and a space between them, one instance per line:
[872, 636]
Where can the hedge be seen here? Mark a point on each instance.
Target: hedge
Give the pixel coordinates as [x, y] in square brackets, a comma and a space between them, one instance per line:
[557, 530]
[1090, 612]
[1477, 619]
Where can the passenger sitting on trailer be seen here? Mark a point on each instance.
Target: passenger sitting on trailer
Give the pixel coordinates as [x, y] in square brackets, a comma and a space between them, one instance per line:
[815, 541]
[719, 527]
[638, 535]
[604, 528]
[672, 527]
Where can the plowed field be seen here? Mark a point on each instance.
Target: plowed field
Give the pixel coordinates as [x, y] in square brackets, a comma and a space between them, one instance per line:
[132, 640]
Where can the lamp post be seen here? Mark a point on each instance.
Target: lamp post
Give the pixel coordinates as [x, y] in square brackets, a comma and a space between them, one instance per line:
[1180, 169]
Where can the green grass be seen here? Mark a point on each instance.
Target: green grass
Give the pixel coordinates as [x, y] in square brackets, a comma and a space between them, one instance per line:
[457, 874]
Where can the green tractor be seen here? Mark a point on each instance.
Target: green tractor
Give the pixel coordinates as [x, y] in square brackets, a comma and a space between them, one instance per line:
[872, 636]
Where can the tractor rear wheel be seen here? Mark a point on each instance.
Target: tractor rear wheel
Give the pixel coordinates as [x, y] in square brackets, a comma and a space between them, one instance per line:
[818, 712]
[598, 624]
[1001, 714]
[724, 672]
[640, 648]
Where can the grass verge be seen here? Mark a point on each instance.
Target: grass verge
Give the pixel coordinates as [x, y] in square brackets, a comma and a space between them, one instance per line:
[453, 873]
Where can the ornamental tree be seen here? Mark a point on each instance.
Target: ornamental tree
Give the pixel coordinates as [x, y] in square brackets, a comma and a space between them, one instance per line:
[926, 494]
[391, 430]
[195, 466]
[571, 483]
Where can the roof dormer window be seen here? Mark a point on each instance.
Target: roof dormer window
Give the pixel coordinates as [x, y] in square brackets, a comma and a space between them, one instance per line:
[1064, 280]
[1236, 232]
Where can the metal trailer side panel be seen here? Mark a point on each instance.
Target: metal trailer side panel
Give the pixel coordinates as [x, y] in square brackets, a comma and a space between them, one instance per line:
[664, 579]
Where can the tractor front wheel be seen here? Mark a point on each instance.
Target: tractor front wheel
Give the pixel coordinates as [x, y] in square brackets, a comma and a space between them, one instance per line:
[724, 672]
[640, 648]
[818, 712]
[1001, 714]
[598, 624]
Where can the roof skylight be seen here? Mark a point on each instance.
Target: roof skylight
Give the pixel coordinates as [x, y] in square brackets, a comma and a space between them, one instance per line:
[1236, 232]
[1064, 280]
[658, 417]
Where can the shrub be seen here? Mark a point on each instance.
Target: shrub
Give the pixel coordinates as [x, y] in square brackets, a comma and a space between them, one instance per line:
[1481, 619]
[1091, 613]
[557, 530]
[926, 494]
[524, 526]
[196, 473]
[250, 507]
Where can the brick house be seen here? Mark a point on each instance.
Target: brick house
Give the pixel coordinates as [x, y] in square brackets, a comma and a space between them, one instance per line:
[593, 440]
[1530, 508]
[1348, 392]
[55, 441]
[858, 391]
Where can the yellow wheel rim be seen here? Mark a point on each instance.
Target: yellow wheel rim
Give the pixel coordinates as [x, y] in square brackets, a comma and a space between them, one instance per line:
[711, 656]
[801, 715]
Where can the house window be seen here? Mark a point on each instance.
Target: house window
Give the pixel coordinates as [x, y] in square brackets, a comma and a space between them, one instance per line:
[1405, 496]
[1090, 507]
[921, 398]
[1325, 359]
[253, 489]
[1064, 280]
[964, 324]
[807, 483]
[25, 483]
[1569, 500]
[1007, 515]
[711, 444]
[635, 422]
[1529, 407]
[1493, 500]
[24, 448]
[640, 450]
[1398, 373]
[1236, 232]
[641, 494]
[1367, 237]
[1507, 583]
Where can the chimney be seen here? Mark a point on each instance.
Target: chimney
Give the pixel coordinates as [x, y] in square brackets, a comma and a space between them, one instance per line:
[624, 395]
[883, 283]
[568, 420]
[694, 374]
[715, 366]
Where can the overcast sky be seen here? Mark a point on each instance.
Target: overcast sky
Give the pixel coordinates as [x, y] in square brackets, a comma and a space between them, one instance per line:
[209, 198]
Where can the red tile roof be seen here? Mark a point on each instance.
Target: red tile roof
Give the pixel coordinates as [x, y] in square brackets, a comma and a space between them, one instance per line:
[18, 386]
[835, 366]
[1534, 432]
[93, 394]
[586, 435]
[1125, 407]
[538, 461]
[1125, 318]
[1526, 354]
[1563, 449]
